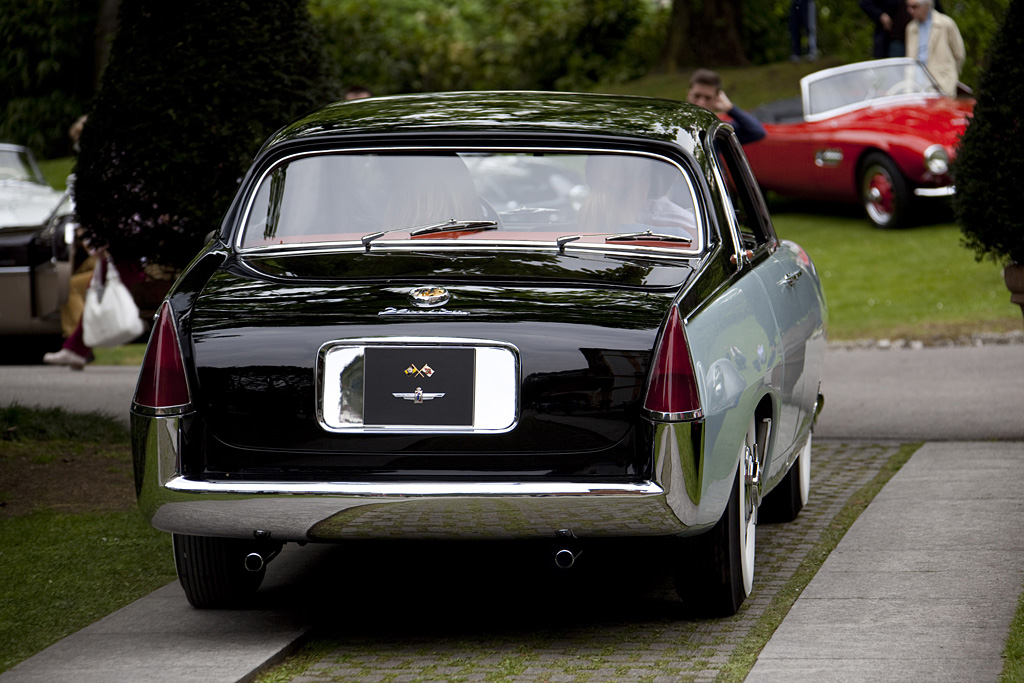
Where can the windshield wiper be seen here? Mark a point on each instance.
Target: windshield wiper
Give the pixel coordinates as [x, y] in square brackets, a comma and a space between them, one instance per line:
[451, 225]
[648, 236]
[565, 239]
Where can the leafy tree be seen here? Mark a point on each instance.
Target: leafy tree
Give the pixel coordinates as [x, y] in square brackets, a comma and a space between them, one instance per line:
[46, 74]
[990, 160]
[192, 90]
[397, 46]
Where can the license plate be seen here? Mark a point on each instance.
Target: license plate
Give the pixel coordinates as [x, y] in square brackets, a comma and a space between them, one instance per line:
[418, 385]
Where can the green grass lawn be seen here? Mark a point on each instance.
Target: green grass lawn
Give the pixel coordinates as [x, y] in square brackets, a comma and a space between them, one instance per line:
[747, 87]
[65, 571]
[73, 546]
[56, 171]
[916, 283]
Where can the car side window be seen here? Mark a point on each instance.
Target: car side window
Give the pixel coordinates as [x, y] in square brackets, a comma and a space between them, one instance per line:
[749, 209]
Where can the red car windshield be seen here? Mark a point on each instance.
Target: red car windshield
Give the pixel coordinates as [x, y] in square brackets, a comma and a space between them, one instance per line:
[858, 85]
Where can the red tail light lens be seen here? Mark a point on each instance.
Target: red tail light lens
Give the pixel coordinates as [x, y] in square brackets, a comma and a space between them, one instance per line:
[162, 382]
[673, 388]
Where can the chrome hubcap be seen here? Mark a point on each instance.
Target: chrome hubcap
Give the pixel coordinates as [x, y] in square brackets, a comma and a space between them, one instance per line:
[752, 480]
[879, 196]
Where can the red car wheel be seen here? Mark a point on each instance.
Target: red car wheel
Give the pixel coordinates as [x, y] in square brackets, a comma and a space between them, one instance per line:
[884, 192]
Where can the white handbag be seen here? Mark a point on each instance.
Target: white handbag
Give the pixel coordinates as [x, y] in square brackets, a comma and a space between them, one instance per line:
[110, 317]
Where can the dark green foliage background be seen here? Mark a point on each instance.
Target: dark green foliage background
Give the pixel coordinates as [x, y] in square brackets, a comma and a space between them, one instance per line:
[190, 93]
[194, 87]
[398, 46]
[47, 76]
[990, 163]
[46, 72]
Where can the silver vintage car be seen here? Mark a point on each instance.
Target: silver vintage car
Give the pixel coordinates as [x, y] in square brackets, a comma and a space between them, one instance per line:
[36, 253]
[486, 316]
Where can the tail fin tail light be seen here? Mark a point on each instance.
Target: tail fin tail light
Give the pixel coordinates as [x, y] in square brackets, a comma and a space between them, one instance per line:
[162, 381]
[672, 393]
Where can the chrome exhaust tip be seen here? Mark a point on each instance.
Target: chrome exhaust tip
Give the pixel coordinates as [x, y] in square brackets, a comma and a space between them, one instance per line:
[254, 562]
[565, 558]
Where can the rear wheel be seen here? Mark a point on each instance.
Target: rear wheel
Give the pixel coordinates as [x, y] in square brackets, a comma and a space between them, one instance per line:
[212, 570]
[884, 192]
[787, 499]
[715, 571]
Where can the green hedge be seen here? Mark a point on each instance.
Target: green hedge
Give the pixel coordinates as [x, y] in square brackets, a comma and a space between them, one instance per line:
[990, 162]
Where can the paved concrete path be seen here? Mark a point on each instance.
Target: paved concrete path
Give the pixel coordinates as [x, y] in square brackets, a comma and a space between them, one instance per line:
[106, 389]
[924, 584]
[946, 393]
[161, 639]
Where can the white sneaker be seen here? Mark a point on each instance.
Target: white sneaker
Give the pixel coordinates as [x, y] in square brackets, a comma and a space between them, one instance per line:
[65, 357]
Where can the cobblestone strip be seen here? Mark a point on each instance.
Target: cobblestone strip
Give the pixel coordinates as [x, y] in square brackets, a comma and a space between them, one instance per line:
[620, 623]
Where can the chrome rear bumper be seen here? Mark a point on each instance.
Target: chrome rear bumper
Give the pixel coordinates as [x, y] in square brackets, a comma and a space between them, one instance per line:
[327, 511]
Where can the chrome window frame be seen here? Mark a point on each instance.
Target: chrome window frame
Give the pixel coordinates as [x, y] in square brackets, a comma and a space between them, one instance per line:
[384, 244]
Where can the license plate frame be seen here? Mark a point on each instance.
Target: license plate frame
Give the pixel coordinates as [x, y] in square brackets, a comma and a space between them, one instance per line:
[418, 385]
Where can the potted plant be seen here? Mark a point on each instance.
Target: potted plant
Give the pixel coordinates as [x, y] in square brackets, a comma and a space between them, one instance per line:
[989, 166]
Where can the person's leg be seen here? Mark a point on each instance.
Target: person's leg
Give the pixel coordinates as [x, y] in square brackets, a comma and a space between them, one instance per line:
[812, 30]
[71, 311]
[74, 353]
[795, 49]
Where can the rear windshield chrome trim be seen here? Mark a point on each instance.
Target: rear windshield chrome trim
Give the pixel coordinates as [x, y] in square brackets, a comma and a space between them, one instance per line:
[471, 245]
[697, 248]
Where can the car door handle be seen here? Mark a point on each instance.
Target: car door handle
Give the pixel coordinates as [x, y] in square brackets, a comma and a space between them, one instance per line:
[791, 278]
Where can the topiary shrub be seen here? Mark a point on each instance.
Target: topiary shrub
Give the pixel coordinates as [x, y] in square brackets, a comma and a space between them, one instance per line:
[989, 166]
[191, 91]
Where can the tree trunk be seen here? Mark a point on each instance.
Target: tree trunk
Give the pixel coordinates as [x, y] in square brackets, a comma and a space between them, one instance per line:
[106, 27]
[705, 33]
[1013, 275]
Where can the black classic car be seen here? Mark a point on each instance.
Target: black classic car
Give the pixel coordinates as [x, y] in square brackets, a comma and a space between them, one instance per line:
[485, 316]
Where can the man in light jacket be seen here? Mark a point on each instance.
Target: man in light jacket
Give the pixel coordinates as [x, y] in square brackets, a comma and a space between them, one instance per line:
[934, 39]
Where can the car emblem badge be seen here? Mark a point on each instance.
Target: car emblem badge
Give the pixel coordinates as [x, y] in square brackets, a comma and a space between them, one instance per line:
[429, 297]
[418, 396]
[425, 371]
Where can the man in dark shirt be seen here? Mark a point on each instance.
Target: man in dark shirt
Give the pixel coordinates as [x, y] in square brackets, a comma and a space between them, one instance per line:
[706, 91]
[890, 18]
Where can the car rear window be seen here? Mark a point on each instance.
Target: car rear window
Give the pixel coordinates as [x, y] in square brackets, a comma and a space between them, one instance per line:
[390, 198]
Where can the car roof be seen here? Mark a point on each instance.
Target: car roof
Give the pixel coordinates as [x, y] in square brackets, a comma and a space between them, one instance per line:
[510, 112]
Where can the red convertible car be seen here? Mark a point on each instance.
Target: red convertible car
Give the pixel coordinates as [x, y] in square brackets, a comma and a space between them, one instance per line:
[879, 133]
